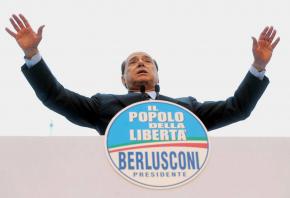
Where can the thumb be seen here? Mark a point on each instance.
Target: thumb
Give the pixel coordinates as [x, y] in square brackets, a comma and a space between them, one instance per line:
[255, 42]
[39, 31]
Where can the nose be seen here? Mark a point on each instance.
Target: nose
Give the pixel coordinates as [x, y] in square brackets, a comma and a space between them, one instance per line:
[140, 63]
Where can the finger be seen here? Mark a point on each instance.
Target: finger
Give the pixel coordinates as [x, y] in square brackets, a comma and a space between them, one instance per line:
[272, 36]
[275, 43]
[18, 21]
[24, 21]
[262, 35]
[39, 31]
[14, 25]
[255, 43]
[269, 32]
[10, 32]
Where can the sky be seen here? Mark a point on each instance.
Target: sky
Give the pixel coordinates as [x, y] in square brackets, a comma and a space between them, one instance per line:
[203, 49]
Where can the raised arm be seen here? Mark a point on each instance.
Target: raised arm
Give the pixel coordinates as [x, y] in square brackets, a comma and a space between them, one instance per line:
[240, 105]
[78, 109]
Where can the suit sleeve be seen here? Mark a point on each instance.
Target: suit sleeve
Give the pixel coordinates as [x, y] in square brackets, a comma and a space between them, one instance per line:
[238, 107]
[78, 109]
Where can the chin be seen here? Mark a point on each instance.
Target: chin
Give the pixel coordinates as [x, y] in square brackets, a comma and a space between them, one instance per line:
[140, 82]
[143, 79]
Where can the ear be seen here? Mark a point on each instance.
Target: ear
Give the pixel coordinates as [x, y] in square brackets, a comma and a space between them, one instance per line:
[123, 81]
[157, 78]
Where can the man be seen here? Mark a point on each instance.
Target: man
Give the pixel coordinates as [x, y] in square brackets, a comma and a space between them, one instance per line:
[139, 75]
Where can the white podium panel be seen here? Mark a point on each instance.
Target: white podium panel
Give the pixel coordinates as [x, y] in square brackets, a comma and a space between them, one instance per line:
[77, 167]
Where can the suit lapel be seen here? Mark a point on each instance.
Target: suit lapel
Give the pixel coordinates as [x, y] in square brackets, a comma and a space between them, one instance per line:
[129, 98]
[161, 97]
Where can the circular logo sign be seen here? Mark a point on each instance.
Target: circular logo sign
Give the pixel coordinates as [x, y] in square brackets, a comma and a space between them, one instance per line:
[157, 144]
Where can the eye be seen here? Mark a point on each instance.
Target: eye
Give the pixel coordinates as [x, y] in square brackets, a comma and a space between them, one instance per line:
[132, 62]
[148, 61]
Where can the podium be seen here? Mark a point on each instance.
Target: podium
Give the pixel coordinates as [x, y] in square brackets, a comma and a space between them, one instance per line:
[77, 167]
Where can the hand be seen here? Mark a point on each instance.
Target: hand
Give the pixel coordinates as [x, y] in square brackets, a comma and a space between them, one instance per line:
[263, 48]
[26, 38]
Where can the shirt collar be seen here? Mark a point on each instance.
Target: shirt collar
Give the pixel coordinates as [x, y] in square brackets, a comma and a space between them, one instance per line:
[152, 94]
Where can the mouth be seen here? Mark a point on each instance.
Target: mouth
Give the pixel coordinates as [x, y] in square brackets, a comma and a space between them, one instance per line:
[142, 71]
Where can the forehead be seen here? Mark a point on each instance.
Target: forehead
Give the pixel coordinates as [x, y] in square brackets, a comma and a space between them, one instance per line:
[138, 55]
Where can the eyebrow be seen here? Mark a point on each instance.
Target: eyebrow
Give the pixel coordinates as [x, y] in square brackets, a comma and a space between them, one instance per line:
[144, 56]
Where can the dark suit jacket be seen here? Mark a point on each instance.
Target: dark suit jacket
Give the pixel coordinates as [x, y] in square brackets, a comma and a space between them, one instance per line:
[97, 111]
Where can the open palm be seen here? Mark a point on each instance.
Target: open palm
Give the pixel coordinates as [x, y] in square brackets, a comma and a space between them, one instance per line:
[26, 38]
[263, 48]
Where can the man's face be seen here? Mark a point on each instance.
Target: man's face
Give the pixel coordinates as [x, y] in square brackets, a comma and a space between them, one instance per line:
[140, 70]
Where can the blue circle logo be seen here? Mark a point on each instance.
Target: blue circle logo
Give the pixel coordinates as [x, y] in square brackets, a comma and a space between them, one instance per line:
[157, 144]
